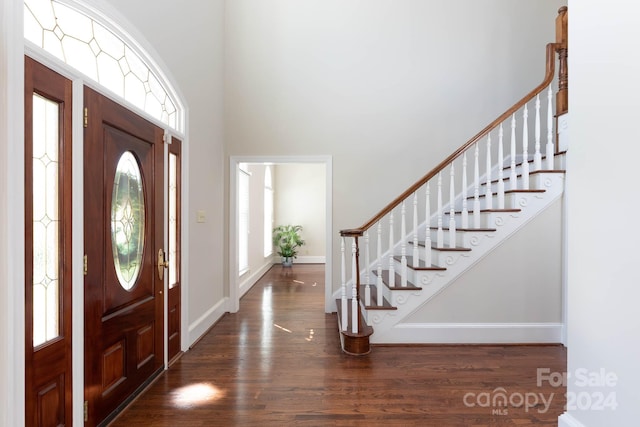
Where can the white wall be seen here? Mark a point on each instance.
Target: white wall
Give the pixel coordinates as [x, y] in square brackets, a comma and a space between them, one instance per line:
[5, 367]
[528, 289]
[188, 36]
[300, 195]
[386, 87]
[604, 279]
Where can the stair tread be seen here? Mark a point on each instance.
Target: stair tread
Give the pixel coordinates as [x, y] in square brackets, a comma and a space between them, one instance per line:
[386, 305]
[421, 264]
[532, 160]
[447, 249]
[487, 211]
[366, 329]
[506, 178]
[385, 279]
[483, 196]
[464, 230]
[433, 246]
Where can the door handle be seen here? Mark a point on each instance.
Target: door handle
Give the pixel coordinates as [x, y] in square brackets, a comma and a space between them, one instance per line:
[162, 263]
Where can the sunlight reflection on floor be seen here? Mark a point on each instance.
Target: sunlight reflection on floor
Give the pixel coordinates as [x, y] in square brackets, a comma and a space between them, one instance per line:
[196, 394]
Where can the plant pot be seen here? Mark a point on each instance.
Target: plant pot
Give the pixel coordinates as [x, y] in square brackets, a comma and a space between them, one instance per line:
[287, 261]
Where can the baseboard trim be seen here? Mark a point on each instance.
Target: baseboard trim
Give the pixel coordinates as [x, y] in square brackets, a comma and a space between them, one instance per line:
[567, 420]
[310, 259]
[471, 333]
[200, 327]
[251, 280]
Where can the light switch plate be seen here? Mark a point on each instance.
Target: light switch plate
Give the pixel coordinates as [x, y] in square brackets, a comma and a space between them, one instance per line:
[201, 216]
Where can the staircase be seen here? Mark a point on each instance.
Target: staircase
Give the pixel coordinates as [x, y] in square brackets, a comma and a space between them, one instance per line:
[454, 217]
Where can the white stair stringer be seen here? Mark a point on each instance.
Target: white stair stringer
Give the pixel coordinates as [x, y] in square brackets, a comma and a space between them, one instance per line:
[388, 325]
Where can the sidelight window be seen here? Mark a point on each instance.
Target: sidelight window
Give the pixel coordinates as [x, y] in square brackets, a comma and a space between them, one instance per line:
[46, 220]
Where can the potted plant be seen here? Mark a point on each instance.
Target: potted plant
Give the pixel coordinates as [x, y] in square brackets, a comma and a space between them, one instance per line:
[287, 238]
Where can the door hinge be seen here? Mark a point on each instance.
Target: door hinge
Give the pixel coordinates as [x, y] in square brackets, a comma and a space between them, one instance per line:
[86, 117]
[85, 264]
[86, 411]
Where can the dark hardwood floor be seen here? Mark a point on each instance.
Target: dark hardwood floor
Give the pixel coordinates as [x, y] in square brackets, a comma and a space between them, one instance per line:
[278, 362]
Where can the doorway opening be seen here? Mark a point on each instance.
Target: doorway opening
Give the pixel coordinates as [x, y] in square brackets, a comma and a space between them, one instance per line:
[301, 186]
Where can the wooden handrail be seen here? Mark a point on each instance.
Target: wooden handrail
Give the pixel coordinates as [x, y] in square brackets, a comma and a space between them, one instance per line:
[548, 78]
[562, 43]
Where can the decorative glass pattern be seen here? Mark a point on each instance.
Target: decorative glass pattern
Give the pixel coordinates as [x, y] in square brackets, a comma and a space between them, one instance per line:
[127, 220]
[173, 220]
[46, 221]
[96, 51]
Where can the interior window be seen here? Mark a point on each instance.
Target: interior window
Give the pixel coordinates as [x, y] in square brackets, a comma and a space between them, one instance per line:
[268, 212]
[243, 219]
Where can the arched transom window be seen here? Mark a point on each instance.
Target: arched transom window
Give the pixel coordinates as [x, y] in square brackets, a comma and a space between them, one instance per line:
[101, 52]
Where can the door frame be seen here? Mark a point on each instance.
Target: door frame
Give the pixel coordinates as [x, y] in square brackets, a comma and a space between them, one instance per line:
[234, 167]
[13, 48]
[12, 259]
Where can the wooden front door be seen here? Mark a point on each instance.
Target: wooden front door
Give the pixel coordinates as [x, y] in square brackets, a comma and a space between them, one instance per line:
[124, 232]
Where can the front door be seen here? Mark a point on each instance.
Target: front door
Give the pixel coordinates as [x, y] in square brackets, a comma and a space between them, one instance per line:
[124, 264]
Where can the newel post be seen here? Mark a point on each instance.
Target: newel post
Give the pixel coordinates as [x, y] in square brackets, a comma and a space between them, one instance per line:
[562, 43]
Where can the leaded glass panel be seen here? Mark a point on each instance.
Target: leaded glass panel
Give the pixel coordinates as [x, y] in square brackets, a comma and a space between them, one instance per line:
[127, 220]
[46, 220]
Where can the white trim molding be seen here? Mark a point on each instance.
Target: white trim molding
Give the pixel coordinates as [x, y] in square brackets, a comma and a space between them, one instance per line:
[200, 327]
[470, 333]
[308, 259]
[12, 371]
[248, 282]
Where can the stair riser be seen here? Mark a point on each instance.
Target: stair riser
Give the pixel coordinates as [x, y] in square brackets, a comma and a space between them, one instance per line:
[536, 182]
[464, 239]
[487, 220]
[438, 258]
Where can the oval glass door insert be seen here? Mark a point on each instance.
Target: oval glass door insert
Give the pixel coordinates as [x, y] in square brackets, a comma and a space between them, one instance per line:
[127, 220]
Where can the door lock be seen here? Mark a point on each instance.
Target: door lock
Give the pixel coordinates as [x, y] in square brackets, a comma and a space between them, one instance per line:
[162, 263]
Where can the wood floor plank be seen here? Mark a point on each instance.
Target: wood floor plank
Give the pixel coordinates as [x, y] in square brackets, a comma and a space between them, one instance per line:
[278, 362]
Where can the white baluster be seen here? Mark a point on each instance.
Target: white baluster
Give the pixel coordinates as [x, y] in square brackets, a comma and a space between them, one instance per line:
[403, 245]
[344, 319]
[367, 288]
[500, 168]
[452, 209]
[465, 208]
[392, 270]
[525, 148]
[488, 195]
[416, 250]
[354, 290]
[379, 278]
[439, 233]
[537, 157]
[476, 187]
[549, 147]
[513, 177]
[427, 239]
